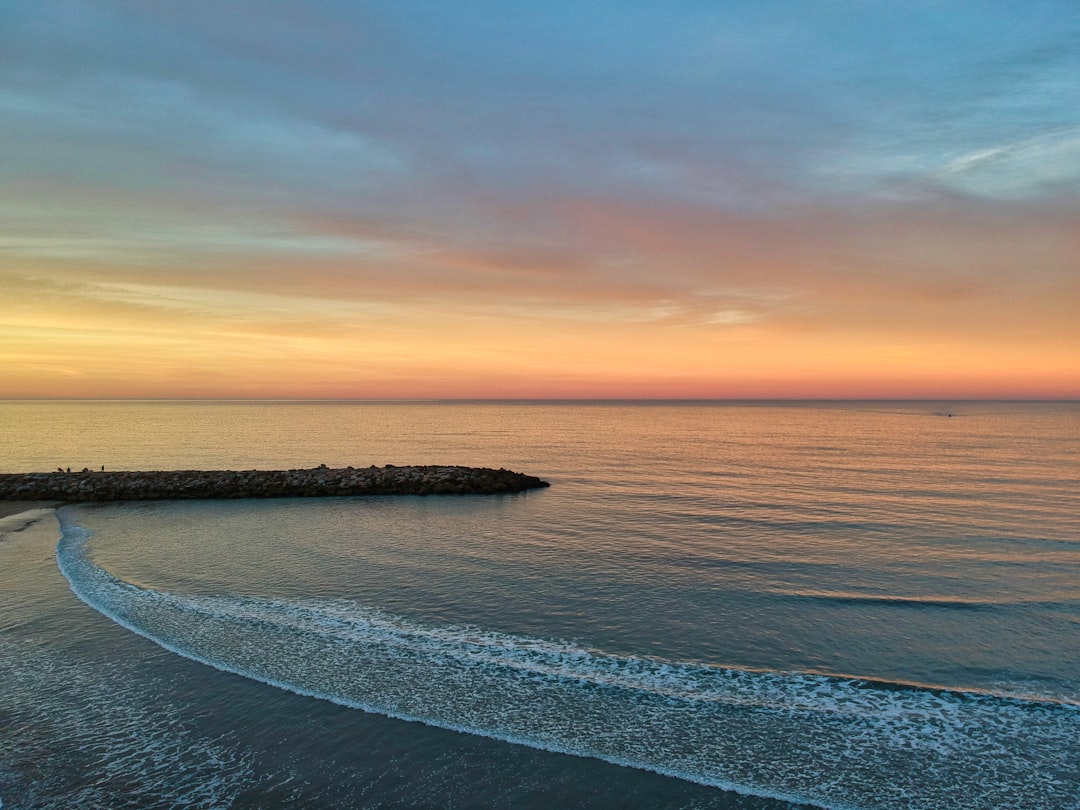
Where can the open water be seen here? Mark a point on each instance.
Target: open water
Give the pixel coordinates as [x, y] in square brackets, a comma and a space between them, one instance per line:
[715, 605]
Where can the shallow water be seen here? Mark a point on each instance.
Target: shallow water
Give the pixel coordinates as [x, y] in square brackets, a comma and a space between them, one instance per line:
[846, 604]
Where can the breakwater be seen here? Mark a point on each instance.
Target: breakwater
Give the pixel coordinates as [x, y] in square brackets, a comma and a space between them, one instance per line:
[320, 481]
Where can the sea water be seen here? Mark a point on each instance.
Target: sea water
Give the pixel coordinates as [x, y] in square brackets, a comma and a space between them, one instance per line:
[867, 605]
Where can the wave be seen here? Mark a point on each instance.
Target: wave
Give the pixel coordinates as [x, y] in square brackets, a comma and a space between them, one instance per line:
[831, 741]
[926, 601]
[144, 752]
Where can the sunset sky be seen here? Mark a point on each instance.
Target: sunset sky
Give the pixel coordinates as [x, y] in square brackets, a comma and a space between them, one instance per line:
[345, 199]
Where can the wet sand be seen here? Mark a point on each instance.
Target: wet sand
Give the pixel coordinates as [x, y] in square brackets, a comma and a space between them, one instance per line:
[15, 507]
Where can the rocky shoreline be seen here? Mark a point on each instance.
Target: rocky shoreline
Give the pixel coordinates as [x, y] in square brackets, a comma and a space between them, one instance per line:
[317, 482]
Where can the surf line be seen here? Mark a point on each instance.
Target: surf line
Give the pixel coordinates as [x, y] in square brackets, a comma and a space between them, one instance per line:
[795, 737]
[101, 591]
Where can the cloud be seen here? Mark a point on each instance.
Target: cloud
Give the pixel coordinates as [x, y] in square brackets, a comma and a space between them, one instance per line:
[1021, 168]
[614, 183]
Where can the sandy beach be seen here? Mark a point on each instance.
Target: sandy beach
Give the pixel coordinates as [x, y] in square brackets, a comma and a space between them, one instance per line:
[15, 507]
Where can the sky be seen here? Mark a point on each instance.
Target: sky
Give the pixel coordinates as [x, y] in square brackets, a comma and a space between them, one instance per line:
[504, 199]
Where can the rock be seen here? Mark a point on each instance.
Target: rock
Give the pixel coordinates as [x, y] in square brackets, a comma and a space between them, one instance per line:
[319, 482]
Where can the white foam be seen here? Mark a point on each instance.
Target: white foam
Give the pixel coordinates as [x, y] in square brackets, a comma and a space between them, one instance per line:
[834, 742]
[114, 729]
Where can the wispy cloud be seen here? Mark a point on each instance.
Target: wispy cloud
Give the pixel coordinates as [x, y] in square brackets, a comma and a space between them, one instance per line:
[618, 184]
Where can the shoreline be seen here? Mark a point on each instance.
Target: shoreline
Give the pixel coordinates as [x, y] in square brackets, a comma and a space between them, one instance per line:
[322, 481]
[9, 508]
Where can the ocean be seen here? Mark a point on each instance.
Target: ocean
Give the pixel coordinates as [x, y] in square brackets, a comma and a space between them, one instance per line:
[715, 605]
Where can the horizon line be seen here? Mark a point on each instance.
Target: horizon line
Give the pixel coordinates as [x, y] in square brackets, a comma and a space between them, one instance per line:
[509, 400]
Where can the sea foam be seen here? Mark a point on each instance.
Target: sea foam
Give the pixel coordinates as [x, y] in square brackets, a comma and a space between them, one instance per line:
[831, 741]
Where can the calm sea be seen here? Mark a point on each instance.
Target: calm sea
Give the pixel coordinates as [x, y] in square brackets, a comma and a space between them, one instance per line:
[715, 605]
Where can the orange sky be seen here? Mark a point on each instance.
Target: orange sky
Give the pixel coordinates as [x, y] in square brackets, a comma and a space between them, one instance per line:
[205, 205]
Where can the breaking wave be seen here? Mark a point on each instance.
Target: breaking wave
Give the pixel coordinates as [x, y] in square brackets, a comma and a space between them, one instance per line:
[831, 741]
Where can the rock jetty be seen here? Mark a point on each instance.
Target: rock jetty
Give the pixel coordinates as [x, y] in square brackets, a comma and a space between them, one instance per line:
[318, 482]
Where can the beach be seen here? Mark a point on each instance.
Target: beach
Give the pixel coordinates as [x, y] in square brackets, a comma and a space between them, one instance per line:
[15, 507]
